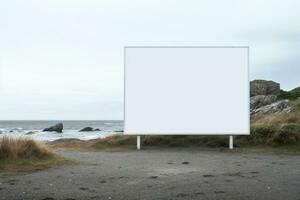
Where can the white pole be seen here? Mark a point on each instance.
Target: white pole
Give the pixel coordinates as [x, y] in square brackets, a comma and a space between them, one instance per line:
[138, 142]
[230, 142]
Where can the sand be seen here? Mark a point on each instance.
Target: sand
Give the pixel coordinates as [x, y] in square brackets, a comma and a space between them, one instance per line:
[160, 174]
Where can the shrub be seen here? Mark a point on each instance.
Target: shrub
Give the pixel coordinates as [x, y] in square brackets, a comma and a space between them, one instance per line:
[262, 135]
[22, 148]
[291, 95]
[288, 134]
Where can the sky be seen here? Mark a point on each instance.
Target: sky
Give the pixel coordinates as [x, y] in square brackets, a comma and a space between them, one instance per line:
[63, 59]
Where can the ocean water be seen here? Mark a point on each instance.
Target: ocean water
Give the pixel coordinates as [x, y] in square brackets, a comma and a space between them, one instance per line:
[71, 129]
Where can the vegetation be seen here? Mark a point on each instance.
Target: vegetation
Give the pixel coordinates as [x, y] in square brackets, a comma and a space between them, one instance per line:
[270, 130]
[291, 95]
[22, 154]
[167, 141]
[278, 128]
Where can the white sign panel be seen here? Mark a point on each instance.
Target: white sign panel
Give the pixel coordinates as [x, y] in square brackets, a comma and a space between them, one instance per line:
[186, 91]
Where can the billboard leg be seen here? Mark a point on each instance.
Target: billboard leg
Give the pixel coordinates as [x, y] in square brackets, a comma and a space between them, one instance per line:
[138, 142]
[230, 142]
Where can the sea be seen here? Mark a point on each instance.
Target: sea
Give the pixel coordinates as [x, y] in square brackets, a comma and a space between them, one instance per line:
[33, 129]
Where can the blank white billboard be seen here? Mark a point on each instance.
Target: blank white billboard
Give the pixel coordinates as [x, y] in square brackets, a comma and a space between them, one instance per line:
[186, 91]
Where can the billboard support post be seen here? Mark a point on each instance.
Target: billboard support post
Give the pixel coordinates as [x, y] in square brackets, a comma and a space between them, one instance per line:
[230, 142]
[138, 142]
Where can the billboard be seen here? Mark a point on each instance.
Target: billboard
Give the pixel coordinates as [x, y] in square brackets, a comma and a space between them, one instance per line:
[186, 91]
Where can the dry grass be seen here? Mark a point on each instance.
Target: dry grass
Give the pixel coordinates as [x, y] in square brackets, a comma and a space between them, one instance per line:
[23, 154]
[278, 128]
[121, 141]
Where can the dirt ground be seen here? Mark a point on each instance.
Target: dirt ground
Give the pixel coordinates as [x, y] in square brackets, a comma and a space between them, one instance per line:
[160, 174]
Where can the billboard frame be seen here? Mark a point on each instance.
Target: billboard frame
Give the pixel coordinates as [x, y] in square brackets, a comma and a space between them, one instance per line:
[187, 133]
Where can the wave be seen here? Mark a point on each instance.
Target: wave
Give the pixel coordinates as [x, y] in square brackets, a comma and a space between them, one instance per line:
[52, 136]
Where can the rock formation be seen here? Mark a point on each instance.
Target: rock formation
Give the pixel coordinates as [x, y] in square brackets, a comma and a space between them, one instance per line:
[264, 95]
[262, 87]
[56, 128]
[261, 100]
[88, 129]
[279, 106]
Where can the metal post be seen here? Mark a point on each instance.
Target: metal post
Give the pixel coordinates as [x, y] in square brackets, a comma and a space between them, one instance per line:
[138, 142]
[230, 142]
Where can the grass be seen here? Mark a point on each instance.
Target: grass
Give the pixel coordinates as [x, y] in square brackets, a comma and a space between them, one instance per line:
[23, 154]
[278, 128]
[279, 131]
[214, 143]
[269, 132]
[120, 141]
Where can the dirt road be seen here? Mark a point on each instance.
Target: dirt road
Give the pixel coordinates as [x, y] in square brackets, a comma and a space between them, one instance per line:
[160, 174]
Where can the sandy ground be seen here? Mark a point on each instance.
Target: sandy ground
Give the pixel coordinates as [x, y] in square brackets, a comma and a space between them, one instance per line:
[161, 174]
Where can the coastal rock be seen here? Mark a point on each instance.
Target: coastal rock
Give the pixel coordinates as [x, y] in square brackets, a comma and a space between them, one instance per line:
[263, 87]
[30, 133]
[88, 129]
[279, 106]
[56, 128]
[119, 131]
[261, 100]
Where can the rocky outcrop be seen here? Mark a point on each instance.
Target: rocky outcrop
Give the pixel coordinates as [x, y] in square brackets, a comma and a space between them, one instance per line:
[262, 87]
[30, 133]
[264, 98]
[56, 128]
[88, 129]
[279, 106]
[261, 100]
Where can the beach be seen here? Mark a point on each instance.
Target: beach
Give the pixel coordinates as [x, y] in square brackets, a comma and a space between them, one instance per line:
[160, 173]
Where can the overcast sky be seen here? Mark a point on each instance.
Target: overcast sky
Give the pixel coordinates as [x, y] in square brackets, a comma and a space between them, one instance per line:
[63, 59]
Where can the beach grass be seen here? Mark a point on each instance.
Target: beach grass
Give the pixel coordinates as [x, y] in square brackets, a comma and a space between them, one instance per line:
[277, 128]
[276, 132]
[121, 141]
[23, 154]
[211, 142]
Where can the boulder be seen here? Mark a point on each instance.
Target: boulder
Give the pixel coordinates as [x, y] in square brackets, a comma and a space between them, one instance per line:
[30, 133]
[279, 106]
[261, 100]
[56, 128]
[262, 87]
[86, 129]
[97, 129]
